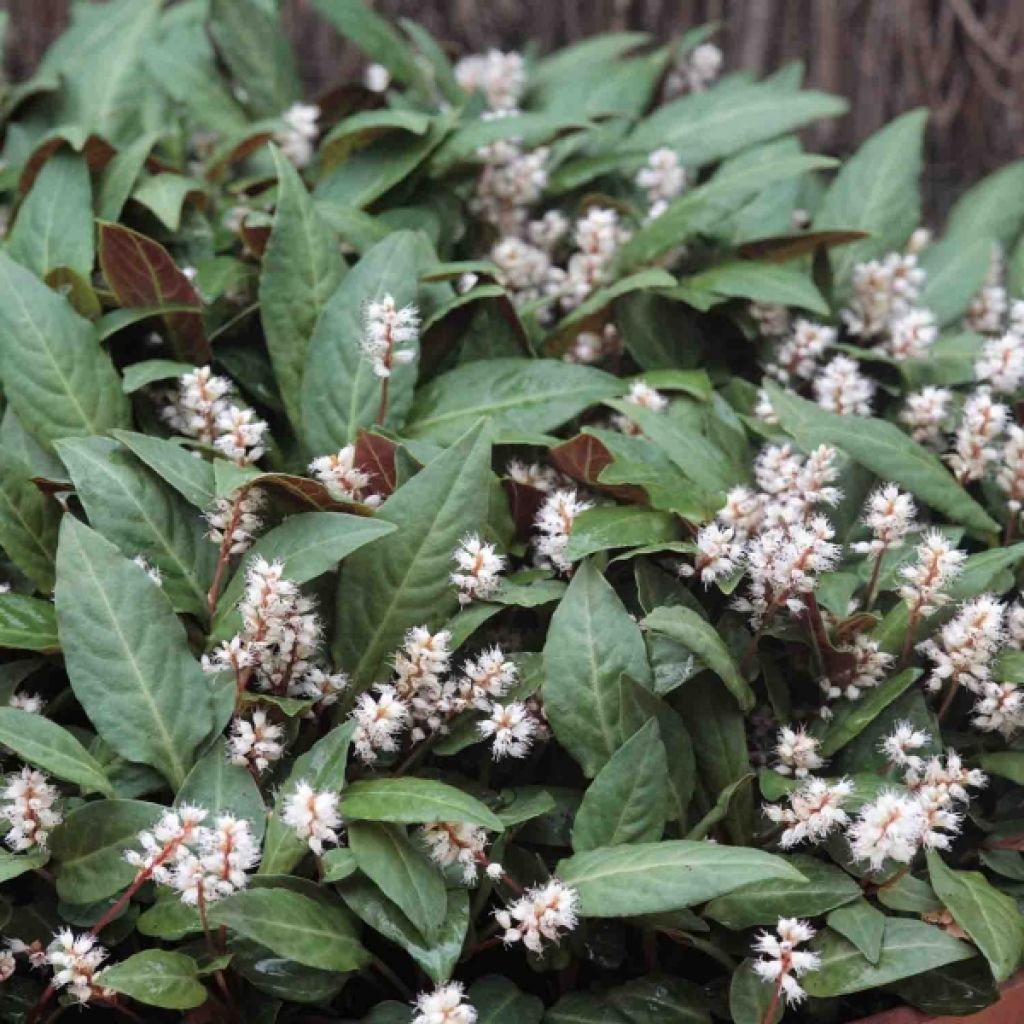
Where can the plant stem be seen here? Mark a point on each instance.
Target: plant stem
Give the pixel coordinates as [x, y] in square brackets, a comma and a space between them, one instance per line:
[383, 410]
[773, 1006]
[876, 572]
[908, 640]
[947, 700]
[224, 554]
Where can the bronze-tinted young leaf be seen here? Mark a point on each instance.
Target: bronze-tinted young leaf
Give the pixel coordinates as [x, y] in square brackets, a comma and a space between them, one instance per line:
[142, 274]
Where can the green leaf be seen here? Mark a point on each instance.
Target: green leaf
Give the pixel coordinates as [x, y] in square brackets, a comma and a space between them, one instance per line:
[13, 865]
[823, 888]
[56, 377]
[696, 634]
[411, 801]
[134, 509]
[127, 655]
[156, 977]
[88, 848]
[437, 958]
[257, 53]
[165, 196]
[518, 394]
[851, 718]
[301, 269]
[876, 191]
[661, 999]
[169, 918]
[750, 996]
[884, 449]
[54, 223]
[29, 521]
[1007, 764]
[708, 126]
[149, 371]
[339, 864]
[626, 802]
[119, 176]
[27, 624]
[323, 767]
[190, 477]
[402, 581]
[990, 209]
[51, 747]
[908, 948]
[294, 926]
[224, 788]
[308, 544]
[376, 38]
[956, 268]
[990, 917]
[623, 881]
[863, 925]
[340, 392]
[402, 872]
[759, 282]
[618, 526]
[497, 1001]
[591, 642]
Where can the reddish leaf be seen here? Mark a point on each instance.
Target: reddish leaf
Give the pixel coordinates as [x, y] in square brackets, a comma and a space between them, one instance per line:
[375, 456]
[255, 237]
[142, 275]
[98, 153]
[788, 247]
[583, 458]
[523, 503]
[308, 493]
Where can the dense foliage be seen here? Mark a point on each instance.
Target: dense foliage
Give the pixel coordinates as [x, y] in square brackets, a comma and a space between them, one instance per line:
[519, 539]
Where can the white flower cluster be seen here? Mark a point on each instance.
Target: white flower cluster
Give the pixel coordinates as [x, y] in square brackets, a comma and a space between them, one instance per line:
[890, 515]
[224, 852]
[815, 810]
[201, 407]
[593, 346]
[964, 648]
[640, 394]
[885, 291]
[445, 1005]
[781, 963]
[553, 524]
[511, 181]
[457, 842]
[597, 237]
[500, 77]
[974, 446]
[663, 178]
[236, 520]
[342, 478]
[987, 310]
[1001, 363]
[721, 551]
[30, 702]
[75, 959]
[30, 805]
[297, 134]
[379, 722]
[166, 845]
[544, 912]
[313, 815]
[797, 357]
[389, 335]
[694, 71]
[926, 412]
[796, 753]
[925, 581]
[841, 388]
[255, 742]
[478, 569]
[280, 634]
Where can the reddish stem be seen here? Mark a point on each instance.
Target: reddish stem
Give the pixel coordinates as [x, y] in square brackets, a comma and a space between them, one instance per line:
[224, 554]
[773, 1006]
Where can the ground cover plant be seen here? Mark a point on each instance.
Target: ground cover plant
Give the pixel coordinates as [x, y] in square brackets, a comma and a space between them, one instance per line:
[519, 539]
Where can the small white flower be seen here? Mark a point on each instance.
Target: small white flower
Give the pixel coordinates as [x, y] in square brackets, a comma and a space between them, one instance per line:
[511, 728]
[1000, 708]
[814, 811]
[796, 753]
[663, 178]
[488, 676]
[501, 77]
[445, 1005]
[298, 133]
[890, 827]
[75, 960]
[1001, 363]
[937, 564]
[781, 963]
[339, 474]
[255, 742]
[313, 815]
[379, 721]
[925, 412]
[30, 702]
[377, 78]
[29, 804]
[903, 739]
[1010, 474]
[798, 356]
[226, 852]
[553, 523]
[911, 335]
[542, 912]
[239, 521]
[167, 844]
[478, 569]
[719, 553]
[456, 842]
[387, 333]
[984, 420]
[965, 646]
[890, 515]
[841, 388]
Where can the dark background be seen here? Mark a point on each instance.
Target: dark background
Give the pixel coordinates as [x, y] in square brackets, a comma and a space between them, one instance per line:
[962, 58]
